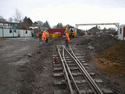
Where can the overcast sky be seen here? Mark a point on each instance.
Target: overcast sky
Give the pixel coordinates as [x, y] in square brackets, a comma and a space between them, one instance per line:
[66, 11]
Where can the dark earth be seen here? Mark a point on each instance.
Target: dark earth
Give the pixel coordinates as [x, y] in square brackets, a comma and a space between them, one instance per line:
[21, 74]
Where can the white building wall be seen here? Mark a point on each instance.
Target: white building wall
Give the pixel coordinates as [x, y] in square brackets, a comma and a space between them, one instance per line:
[25, 34]
[120, 35]
[15, 32]
[1, 35]
[28, 34]
[7, 33]
[21, 33]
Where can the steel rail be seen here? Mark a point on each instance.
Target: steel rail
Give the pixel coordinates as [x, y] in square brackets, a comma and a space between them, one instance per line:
[82, 72]
[73, 80]
[91, 82]
[65, 71]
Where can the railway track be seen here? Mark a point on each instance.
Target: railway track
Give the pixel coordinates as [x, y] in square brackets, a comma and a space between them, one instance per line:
[71, 74]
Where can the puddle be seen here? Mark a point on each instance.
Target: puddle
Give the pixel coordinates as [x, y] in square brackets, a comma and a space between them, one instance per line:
[21, 62]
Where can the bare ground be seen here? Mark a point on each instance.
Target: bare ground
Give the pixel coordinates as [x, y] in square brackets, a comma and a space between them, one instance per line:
[20, 74]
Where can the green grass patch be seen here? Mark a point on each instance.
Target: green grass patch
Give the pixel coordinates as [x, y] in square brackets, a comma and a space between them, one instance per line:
[2, 39]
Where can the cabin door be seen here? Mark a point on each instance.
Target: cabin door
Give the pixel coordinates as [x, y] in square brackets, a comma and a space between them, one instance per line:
[123, 33]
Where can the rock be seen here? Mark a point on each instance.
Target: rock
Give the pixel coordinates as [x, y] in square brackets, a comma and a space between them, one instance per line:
[29, 55]
[90, 47]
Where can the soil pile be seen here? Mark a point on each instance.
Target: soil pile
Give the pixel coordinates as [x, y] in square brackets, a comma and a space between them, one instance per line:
[112, 60]
[102, 42]
[115, 53]
[85, 42]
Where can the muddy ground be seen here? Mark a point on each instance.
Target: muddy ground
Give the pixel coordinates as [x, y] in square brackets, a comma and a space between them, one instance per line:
[20, 74]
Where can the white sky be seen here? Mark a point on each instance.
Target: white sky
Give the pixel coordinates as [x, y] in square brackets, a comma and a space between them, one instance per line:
[66, 11]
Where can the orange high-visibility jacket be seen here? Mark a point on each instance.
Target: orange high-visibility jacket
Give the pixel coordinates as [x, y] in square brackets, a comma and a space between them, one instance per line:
[43, 36]
[67, 37]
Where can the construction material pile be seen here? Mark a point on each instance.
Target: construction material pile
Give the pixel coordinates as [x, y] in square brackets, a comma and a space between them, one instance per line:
[102, 42]
[99, 42]
[112, 60]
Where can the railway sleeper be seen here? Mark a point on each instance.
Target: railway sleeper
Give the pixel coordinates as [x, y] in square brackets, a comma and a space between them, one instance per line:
[60, 68]
[79, 57]
[85, 64]
[61, 92]
[82, 61]
[55, 55]
[62, 74]
[107, 91]
[82, 91]
[59, 82]
[57, 65]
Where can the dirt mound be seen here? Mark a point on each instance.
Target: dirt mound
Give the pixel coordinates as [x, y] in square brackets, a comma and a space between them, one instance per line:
[115, 53]
[113, 59]
[102, 42]
[85, 42]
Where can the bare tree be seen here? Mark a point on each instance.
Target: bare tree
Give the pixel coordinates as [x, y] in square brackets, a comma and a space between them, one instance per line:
[18, 16]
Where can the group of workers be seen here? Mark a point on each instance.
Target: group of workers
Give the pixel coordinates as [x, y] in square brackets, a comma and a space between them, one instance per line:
[67, 45]
[43, 36]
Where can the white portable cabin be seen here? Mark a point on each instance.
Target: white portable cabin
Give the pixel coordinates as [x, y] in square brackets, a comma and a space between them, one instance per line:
[8, 32]
[15, 33]
[121, 33]
[25, 33]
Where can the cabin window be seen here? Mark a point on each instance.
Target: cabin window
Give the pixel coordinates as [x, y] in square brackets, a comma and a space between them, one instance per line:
[10, 31]
[26, 31]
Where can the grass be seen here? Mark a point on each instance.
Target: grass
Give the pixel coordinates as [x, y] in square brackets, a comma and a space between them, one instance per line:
[2, 39]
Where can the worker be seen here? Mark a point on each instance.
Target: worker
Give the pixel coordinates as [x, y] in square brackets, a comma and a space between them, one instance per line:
[43, 37]
[40, 35]
[67, 39]
[47, 36]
